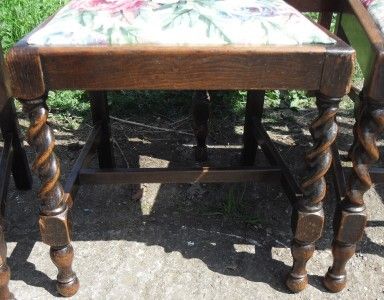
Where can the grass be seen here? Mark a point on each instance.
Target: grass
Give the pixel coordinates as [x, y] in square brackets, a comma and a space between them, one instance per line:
[233, 207]
[18, 17]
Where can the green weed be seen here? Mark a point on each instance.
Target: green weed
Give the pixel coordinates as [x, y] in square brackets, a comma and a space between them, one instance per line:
[233, 206]
[169, 104]
[68, 102]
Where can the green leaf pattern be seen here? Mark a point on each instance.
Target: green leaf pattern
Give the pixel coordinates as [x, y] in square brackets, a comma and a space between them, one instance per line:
[179, 22]
[376, 9]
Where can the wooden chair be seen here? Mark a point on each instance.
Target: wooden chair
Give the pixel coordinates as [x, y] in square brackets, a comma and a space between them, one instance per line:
[47, 60]
[364, 31]
[13, 159]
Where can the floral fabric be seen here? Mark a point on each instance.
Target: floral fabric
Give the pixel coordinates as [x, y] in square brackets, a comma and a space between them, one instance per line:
[179, 22]
[376, 9]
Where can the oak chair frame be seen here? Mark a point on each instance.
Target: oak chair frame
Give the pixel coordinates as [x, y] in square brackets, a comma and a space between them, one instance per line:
[325, 69]
[356, 26]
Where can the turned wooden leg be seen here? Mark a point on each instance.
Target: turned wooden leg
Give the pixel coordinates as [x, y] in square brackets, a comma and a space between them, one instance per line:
[100, 114]
[308, 216]
[200, 115]
[254, 109]
[55, 226]
[351, 217]
[10, 127]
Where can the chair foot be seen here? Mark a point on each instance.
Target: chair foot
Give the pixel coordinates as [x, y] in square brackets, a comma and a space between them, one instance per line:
[68, 289]
[67, 282]
[296, 284]
[301, 252]
[5, 275]
[334, 283]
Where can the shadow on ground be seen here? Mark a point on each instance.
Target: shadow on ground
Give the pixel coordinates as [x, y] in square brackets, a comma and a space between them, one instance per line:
[236, 230]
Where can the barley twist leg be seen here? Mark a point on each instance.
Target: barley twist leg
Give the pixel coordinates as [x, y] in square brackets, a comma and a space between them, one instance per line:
[308, 216]
[351, 216]
[55, 226]
[357, 112]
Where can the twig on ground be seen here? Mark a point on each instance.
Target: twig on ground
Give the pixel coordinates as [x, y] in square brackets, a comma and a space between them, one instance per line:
[282, 244]
[149, 126]
[243, 192]
[310, 113]
[158, 140]
[149, 131]
[178, 125]
[121, 152]
[180, 121]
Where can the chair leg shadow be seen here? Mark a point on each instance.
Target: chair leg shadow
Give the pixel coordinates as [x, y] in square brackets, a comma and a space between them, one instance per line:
[25, 271]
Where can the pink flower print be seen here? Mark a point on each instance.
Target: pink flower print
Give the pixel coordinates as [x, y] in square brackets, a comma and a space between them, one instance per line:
[111, 6]
[367, 3]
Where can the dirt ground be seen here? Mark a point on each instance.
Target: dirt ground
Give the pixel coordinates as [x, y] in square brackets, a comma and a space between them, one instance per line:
[189, 241]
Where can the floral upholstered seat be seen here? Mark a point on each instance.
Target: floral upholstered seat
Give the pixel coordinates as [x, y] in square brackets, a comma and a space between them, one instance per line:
[376, 9]
[179, 22]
